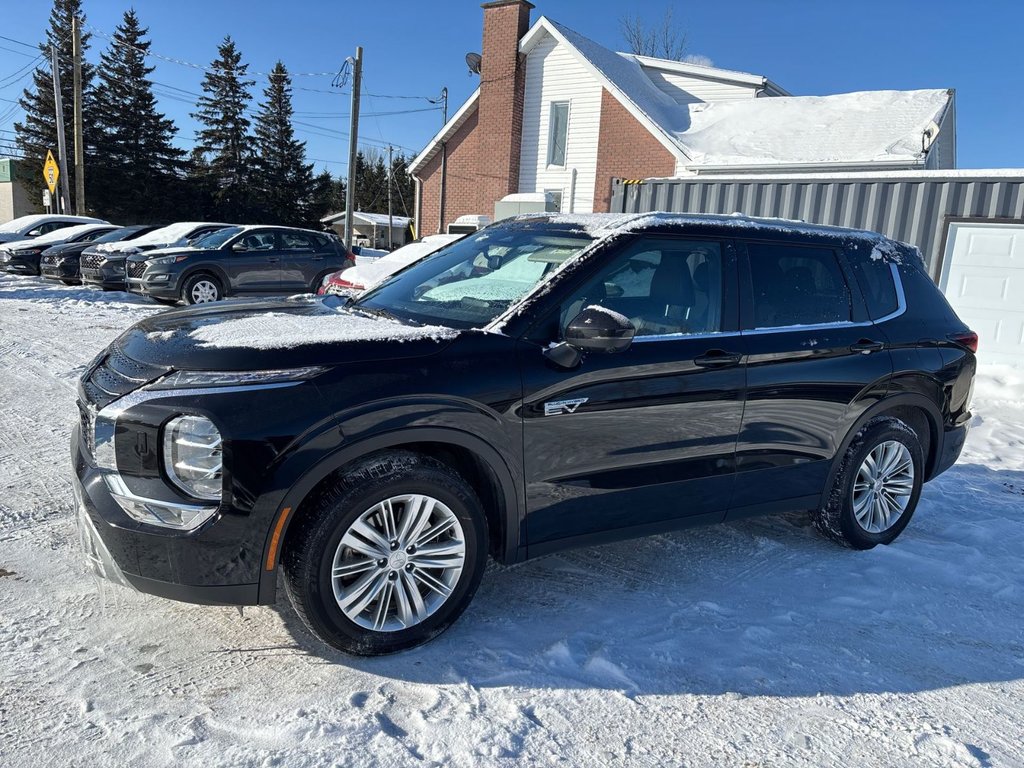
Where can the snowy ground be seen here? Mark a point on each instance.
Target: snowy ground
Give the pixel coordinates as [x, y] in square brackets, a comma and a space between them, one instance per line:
[741, 645]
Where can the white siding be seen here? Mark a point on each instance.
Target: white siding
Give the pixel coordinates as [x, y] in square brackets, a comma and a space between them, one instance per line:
[687, 89]
[554, 74]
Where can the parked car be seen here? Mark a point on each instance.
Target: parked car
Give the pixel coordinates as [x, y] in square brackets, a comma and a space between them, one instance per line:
[28, 227]
[236, 261]
[23, 256]
[104, 266]
[547, 382]
[62, 262]
[367, 274]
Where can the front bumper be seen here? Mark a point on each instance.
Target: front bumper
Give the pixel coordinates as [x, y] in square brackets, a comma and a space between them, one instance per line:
[160, 285]
[105, 276]
[193, 567]
[64, 269]
[21, 265]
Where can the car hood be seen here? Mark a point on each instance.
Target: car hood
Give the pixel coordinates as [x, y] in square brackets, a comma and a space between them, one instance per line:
[18, 243]
[275, 334]
[155, 253]
[65, 248]
[10, 237]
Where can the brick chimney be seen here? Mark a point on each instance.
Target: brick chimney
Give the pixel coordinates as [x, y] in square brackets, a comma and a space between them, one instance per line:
[502, 88]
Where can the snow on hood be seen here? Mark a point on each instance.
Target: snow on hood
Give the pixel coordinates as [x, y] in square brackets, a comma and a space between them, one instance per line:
[321, 324]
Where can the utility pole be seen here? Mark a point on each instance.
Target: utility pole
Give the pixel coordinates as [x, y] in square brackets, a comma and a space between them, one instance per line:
[76, 36]
[391, 176]
[353, 140]
[62, 157]
[444, 162]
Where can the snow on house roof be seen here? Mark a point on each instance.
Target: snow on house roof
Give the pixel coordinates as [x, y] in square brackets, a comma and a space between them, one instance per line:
[849, 128]
[876, 128]
[373, 219]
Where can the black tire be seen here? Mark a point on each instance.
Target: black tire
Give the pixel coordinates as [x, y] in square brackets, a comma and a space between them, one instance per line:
[310, 548]
[195, 280]
[69, 282]
[836, 519]
[165, 302]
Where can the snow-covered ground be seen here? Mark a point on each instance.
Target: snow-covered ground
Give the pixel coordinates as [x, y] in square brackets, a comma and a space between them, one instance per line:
[751, 644]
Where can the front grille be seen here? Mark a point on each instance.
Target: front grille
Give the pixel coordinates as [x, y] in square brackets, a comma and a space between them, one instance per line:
[136, 268]
[48, 261]
[116, 376]
[91, 260]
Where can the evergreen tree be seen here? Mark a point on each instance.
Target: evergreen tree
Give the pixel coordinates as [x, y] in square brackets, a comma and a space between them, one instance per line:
[327, 196]
[37, 133]
[136, 173]
[224, 144]
[283, 178]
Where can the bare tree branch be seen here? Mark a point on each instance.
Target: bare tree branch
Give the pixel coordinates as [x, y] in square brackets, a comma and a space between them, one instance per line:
[665, 41]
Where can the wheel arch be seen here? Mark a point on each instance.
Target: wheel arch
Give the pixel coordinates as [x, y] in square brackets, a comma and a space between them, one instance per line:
[920, 413]
[206, 268]
[480, 464]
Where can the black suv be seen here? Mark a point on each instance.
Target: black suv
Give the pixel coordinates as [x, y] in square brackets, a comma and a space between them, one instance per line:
[235, 261]
[544, 383]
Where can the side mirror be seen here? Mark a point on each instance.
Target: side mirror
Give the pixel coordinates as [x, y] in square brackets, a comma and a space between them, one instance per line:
[595, 329]
[35, 233]
[239, 247]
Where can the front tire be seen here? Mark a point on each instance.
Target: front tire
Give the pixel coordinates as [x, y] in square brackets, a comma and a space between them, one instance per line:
[389, 557]
[202, 289]
[877, 486]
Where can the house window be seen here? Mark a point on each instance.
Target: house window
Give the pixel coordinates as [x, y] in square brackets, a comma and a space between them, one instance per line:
[554, 198]
[558, 132]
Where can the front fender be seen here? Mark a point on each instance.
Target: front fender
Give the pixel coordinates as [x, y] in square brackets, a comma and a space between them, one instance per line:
[369, 429]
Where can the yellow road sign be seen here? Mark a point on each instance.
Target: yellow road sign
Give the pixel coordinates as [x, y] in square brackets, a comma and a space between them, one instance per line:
[51, 172]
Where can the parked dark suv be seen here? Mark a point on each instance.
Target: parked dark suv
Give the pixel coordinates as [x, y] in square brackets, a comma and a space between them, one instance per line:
[63, 262]
[547, 382]
[236, 261]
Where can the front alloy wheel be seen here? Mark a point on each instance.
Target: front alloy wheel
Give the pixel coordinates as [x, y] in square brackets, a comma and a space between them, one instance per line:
[388, 557]
[201, 289]
[398, 562]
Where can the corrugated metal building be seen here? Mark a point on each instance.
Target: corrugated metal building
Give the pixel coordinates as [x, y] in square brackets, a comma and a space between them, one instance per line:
[912, 206]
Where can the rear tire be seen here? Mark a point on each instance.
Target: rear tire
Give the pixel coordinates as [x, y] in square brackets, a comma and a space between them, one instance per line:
[877, 486]
[202, 289]
[403, 497]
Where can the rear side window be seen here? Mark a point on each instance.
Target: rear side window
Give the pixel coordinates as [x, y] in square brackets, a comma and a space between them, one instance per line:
[796, 285]
[876, 283]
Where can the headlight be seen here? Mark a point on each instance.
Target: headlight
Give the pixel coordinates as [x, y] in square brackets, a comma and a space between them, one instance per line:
[26, 252]
[199, 379]
[165, 260]
[192, 456]
[118, 266]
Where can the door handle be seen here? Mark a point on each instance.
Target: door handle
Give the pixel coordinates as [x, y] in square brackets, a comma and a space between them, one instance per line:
[867, 346]
[717, 358]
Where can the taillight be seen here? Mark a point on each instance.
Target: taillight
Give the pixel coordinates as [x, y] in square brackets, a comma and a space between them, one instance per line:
[967, 339]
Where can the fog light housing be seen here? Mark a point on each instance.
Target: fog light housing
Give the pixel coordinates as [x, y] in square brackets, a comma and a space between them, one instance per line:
[192, 456]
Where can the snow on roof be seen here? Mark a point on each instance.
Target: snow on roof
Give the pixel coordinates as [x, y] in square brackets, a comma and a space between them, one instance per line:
[373, 219]
[852, 128]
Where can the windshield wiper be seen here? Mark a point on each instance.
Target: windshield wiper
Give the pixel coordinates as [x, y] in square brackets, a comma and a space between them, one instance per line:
[379, 312]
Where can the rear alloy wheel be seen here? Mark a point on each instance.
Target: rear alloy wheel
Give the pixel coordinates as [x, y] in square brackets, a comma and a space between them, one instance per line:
[876, 487]
[388, 558]
[201, 289]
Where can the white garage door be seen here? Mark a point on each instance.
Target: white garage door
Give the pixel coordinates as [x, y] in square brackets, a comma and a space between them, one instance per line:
[983, 278]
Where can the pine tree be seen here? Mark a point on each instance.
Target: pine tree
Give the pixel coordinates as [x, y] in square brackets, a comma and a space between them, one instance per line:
[136, 175]
[327, 196]
[284, 179]
[38, 132]
[224, 142]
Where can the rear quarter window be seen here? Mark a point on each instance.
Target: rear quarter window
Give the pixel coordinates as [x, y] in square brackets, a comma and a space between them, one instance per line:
[794, 284]
[876, 283]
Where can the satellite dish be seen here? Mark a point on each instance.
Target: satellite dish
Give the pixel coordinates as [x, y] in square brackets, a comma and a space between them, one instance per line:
[473, 62]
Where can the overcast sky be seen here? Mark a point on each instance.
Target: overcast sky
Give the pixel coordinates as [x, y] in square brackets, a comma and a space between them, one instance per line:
[416, 47]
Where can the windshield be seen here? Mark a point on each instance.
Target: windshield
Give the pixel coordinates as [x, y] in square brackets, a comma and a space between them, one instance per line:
[116, 236]
[64, 233]
[471, 282]
[216, 238]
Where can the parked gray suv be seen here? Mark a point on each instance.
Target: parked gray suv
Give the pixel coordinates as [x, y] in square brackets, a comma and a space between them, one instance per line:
[237, 260]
